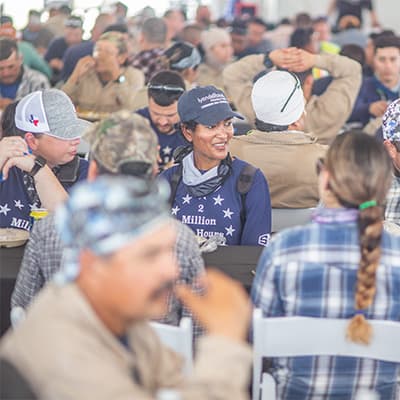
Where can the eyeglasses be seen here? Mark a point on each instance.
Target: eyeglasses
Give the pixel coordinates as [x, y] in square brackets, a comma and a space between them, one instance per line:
[166, 88]
[320, 164]
[297, 86]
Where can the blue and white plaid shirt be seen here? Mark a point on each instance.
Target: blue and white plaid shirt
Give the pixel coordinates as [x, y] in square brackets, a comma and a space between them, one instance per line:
[392, 212]
[312, 271]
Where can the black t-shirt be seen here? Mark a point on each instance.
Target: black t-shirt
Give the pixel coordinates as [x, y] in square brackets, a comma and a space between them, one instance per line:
[353, 7]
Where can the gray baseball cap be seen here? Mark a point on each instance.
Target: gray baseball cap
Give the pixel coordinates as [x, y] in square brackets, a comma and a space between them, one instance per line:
[50, 112]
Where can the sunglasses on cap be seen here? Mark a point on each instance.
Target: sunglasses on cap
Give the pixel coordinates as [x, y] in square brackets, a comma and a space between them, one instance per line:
[297, 86]
[166, 88]
[73, 23]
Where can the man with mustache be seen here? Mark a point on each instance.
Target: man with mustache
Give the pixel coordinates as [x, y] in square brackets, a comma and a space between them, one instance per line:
[89, 329]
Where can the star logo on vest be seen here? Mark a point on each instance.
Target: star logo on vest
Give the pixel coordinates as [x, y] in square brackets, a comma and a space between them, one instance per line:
[18, 204]
[4, 209]
[167, 150]
[230, 230]
[34, 120]
[228, 213]
[218, 200]
[186, 199]
[175, 210]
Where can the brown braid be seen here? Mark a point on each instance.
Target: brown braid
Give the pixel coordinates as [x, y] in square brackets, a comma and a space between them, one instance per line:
[370, 229]
[359, 169]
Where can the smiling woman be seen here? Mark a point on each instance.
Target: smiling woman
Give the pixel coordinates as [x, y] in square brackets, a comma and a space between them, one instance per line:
[211, 192]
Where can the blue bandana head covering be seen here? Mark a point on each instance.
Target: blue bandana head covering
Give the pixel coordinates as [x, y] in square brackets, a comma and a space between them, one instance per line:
[106, 214]
[391, 122]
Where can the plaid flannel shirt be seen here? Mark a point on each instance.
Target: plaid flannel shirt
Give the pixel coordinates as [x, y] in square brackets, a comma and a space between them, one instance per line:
[148, 61]
[392, 211]
[43, 258]
[312, 271]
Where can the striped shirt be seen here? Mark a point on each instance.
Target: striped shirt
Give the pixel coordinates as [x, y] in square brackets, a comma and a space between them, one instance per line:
[312, 271]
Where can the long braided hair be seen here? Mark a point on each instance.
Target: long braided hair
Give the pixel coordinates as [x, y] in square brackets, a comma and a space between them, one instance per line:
[360, 176]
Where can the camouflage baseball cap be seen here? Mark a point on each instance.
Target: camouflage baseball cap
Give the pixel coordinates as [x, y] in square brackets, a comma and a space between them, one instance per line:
[120, 139]
[391, 122]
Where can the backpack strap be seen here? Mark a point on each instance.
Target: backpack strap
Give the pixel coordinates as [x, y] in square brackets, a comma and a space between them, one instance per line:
[244, 184]
[175, 180]
[179, 154]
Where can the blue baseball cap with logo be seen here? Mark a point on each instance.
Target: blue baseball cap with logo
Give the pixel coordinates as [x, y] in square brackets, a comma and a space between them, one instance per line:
[205, 105]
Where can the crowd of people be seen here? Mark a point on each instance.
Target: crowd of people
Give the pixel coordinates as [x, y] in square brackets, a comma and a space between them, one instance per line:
[159, 135]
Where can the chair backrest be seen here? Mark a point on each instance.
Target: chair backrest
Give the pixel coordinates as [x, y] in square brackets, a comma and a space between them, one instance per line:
[13, 385]
[178, 338]
[304, 336]
[286, 217]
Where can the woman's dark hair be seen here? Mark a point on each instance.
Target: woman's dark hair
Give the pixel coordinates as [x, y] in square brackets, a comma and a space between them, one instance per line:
[180, 56]
[360, 171]
[191, 125]
[301, 37]
[8, 127]
[354, 52]
[7, 46]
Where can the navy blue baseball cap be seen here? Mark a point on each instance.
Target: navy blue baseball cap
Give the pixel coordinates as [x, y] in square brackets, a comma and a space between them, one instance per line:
[205, 105]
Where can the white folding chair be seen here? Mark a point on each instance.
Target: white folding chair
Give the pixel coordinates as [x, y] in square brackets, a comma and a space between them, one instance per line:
[286, 217]
[178, 338]
[304, 336]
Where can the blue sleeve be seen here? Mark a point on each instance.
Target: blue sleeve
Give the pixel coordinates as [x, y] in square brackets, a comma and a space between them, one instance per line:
[167, 174]
[366, 96]
[51, 50]
[257, 226]
[264, 290]
[83, 169]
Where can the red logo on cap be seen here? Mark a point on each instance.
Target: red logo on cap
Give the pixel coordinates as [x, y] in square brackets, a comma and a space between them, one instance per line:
[34, 120]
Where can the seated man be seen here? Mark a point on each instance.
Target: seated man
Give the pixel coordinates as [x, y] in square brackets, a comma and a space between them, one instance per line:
[279, 147]
[163, 92]
[122, 144]
[73, 32]
[101, 83]
[16, 80]
[326, 114]
[218, 52]
[90, 330]
[151, 45]
[52, 135]
[382, 88]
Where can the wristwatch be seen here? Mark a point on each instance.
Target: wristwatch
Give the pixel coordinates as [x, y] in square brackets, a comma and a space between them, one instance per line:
[267, 61]
[40, 162]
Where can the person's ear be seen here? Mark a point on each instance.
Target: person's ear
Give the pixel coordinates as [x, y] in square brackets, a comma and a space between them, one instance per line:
[122, 58]
[89, 264]
[31, 140]
[187, 133]
[390, 148]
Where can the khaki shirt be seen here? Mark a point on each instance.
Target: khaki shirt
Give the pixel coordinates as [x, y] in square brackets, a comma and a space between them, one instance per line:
[288, 161]
[210, 76]
[89, 94]
[66, 353]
